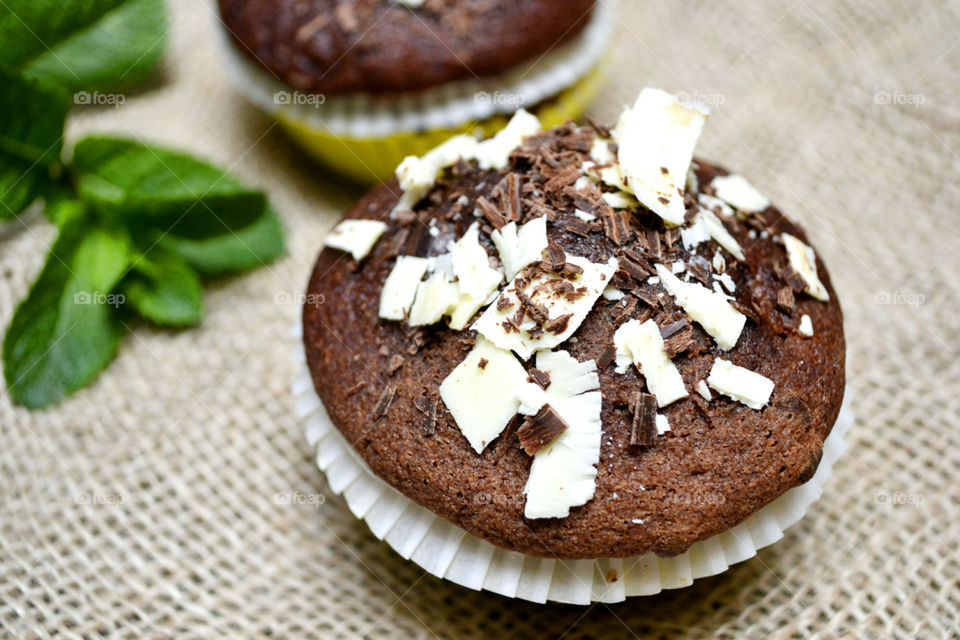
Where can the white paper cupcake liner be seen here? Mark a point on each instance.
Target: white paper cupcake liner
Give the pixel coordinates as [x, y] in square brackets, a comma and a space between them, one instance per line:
[451, 105]
[447, 551]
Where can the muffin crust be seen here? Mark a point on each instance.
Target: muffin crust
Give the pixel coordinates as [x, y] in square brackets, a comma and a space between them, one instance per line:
[720, 462]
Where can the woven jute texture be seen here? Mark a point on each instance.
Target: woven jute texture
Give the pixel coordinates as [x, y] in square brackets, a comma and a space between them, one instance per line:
[177, 497]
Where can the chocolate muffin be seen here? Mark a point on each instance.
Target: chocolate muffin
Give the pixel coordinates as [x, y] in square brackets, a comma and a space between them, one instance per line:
[390, 46]
[360, 84]
[581, 342]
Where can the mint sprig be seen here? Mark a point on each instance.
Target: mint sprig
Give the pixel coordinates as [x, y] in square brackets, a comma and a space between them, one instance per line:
[32, 113]
[140, 226]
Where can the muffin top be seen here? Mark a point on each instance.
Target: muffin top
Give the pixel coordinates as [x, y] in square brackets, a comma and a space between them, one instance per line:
[394, 46]
[578, 343]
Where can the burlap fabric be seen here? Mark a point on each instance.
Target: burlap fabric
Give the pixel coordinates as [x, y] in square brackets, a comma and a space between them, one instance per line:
[177, 496]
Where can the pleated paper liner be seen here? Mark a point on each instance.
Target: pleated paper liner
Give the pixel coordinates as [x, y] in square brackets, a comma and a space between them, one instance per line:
[447, 551]
[365, 137]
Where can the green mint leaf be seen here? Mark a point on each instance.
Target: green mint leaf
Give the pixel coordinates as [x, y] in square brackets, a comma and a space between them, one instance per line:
[253, 246]
[32, 114]
[83, 44]
[20, 184]
[165, 290]
[60, 204]
[66, 330]
[134, 184]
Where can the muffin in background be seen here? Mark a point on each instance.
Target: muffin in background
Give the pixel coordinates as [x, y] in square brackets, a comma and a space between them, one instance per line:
[362, 84]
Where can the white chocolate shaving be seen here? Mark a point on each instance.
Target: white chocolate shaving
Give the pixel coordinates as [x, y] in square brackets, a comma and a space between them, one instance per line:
[719, 233]
[644, 345]
[804, 261]
[521, 246]
[704, 390]
[417, 175]
[662, 424]
[655, 139]
[737, 192]
[482, 399]
[435, 297]
[696, 233]
[356, 237]
[495, 152]
[494, 324]
[563, 474]
[400, 288]
[741, 384]
[471, 266]
[711, 310]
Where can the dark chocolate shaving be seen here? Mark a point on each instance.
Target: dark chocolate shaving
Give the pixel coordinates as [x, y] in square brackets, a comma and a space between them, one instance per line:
[580, 227]
[535, 310]
[396, 361]
[556, 257]
[624, 310]
[504, 303]
[428, 408]
[678, 338]
[538, 431]
[483, 363]
[406, 217]
[394, 246]
[607, 356]
[510, 200]
[794, 279]
[383, 403]
[670, 330]
[643, 430]
[602, 131]
[638, 271]
[698, 272]
[491, 213]
[570, 270]
[648, 294]
[616, 225]
[557, 325]
[786, 300]
[538, 377]
[652, 246]
[747, 309]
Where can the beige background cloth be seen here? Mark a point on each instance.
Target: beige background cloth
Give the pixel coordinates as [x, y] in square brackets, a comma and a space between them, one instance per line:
[177, 497]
